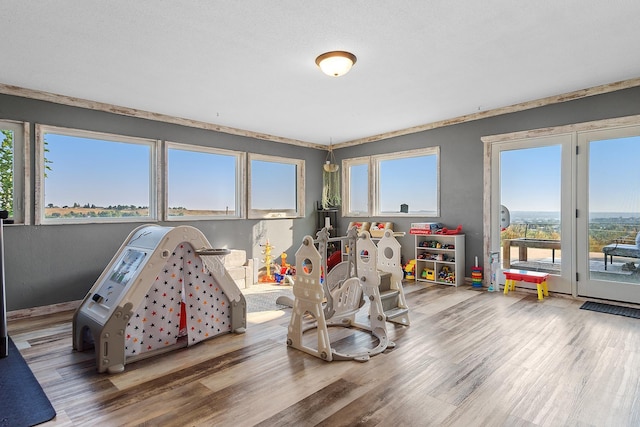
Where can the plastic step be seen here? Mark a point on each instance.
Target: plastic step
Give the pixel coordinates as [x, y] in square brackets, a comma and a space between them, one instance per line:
[389, 299]
[389, 294]
[398, 315]
[385, 282]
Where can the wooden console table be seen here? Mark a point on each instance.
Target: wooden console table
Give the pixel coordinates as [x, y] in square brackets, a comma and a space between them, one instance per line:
[524, 244]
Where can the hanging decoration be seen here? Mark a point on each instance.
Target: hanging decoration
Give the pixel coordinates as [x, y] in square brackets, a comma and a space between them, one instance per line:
[330, 164]
[330, 190]
[330, 181]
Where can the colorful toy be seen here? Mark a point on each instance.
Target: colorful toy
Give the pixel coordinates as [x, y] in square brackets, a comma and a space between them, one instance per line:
[284, 272]
[267, 278]
[377, 229]
[409, 270]
[334, 259]
[445, 230]
[360, 226]
[476, 275]
[425, 227]
[446, 275]
[428, 274]
[436, 245]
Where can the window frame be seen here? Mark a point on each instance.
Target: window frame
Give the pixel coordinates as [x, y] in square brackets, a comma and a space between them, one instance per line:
[346, 187]
[373, 201]
[154, 167]
[300, 188]
[21, 170]
[240, 156]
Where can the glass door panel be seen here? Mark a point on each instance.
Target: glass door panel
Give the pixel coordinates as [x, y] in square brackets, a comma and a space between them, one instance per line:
[609, 252]
[532, 191]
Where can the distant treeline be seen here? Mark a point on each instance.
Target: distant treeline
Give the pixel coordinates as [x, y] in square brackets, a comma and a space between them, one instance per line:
[116, 211]
[602, 231]
[92, 206]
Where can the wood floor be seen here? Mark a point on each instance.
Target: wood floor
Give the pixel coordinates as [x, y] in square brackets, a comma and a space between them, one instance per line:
[469, 358]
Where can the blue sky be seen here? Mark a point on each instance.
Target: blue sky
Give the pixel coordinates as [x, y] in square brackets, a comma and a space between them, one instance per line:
[359, 183]
[531, 177]
[273, 185]
[412, 181]
[196, 180]
[201, 180]
[79, 165]
[614, 175]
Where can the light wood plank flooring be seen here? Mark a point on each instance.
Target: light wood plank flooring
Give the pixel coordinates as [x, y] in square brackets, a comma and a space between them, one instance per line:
[469, 358]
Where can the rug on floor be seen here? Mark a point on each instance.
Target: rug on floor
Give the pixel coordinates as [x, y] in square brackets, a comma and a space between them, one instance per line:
[22, 400]
[266, 300]
[611, 309]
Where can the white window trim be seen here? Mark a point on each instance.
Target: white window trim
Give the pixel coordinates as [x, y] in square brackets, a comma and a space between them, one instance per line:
[300, 188]
[346, 179]
[40, 171]
[240, 207]
[21, 170]
[374, 182]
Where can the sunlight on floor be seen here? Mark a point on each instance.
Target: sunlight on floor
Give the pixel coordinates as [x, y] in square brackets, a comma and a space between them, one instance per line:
[264, 316]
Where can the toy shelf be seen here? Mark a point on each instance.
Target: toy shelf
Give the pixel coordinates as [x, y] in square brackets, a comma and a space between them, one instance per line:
[440, 258]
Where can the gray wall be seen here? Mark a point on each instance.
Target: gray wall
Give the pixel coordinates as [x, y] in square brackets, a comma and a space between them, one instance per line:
[50, 264]
[58, 263]
[461, 160]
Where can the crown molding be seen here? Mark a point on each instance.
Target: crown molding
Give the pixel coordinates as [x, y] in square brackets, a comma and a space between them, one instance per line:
[556, 99]
[132, 112]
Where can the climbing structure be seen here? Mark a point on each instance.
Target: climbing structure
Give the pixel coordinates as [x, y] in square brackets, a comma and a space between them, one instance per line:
[338, 298]
[165, 288]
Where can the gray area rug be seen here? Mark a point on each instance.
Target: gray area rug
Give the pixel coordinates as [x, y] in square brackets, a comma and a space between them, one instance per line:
[22, 400]
[263, 297]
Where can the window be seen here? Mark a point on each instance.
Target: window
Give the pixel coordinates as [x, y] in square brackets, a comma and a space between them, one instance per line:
[94, 177]
[397, 184]
[356, 200]
[204, 183]
[276, 187]
[14, 162]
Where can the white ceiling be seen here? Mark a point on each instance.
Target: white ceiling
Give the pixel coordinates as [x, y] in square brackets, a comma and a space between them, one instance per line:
[249, 64]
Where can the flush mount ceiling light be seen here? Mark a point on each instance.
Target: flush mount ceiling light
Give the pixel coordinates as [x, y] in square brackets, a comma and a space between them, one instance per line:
[336, 63]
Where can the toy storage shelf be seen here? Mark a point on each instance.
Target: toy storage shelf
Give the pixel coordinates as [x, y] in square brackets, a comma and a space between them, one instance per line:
[438, 253]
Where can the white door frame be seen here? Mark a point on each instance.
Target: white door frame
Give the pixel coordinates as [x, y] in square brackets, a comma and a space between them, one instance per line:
[562, 282]
[490, 218]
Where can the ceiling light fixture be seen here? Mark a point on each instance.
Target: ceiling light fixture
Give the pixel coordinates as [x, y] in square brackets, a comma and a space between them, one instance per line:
[336, 63]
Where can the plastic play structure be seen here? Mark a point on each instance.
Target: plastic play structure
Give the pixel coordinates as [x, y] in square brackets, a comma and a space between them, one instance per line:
[338, 298]
[165, 288]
